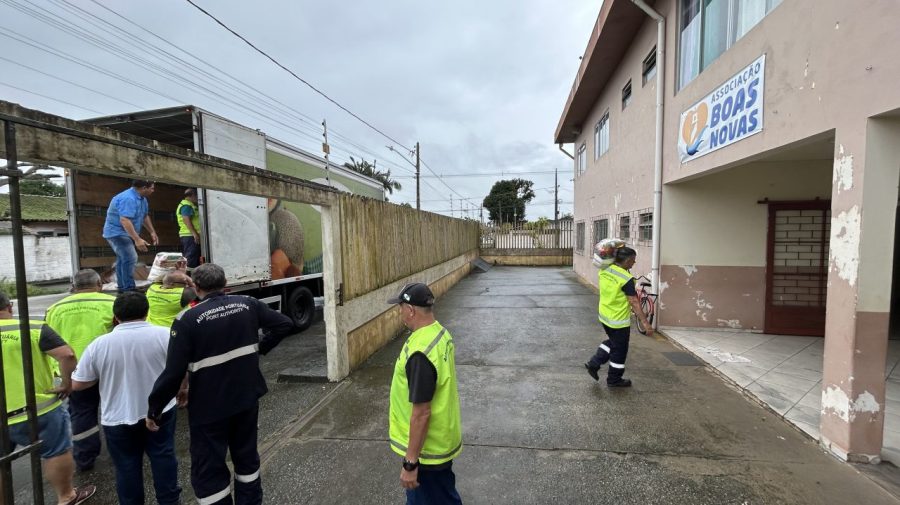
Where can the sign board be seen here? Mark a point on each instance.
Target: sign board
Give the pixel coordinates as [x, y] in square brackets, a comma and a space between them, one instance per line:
[733, 112]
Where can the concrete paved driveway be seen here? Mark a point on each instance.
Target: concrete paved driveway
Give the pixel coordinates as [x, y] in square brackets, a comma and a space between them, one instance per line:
[538, 430]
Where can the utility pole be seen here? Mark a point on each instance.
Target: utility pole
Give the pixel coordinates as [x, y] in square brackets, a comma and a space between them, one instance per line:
[556, 194]
[327, 150]
[418, 162]
[451, 205]
[556, 204]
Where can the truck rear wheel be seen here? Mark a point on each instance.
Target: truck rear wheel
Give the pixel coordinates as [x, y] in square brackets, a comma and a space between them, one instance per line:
[301, 307]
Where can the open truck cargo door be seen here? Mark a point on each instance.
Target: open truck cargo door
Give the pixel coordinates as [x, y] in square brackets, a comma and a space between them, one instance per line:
[237, 225]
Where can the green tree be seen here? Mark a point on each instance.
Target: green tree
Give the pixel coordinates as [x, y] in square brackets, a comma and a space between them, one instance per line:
[507, 199]
[33, 182]
[365, 168]
[41, 187]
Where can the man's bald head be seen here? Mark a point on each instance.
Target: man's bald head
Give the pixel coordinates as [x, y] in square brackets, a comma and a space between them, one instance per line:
[176, 278]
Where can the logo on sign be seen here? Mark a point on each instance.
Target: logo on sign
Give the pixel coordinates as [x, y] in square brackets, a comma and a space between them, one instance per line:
[731, 113]
[694, 126]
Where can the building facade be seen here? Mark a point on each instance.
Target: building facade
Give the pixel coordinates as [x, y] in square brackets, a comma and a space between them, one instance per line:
[780, 168]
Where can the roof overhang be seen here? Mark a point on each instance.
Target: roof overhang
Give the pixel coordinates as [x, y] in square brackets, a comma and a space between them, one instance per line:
[616, 27]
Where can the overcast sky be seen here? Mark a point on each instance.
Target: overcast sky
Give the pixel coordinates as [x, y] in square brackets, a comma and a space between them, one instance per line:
[480, 84]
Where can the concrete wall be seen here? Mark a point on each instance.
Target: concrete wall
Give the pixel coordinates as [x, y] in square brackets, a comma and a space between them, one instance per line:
[714, 241]
[372, 323]
[47, 258]
[527, 257]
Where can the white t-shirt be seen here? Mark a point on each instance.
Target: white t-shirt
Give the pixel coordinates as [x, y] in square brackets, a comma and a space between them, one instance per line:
[126, 362]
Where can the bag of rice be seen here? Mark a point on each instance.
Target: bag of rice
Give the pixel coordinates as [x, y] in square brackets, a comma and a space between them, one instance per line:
[164, 263]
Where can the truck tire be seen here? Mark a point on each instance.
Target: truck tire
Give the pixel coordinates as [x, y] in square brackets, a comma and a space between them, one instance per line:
[301, 307]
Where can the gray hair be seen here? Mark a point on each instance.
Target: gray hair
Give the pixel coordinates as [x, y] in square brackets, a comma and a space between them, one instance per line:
[209, 277]
[86, 278]
[4, 300]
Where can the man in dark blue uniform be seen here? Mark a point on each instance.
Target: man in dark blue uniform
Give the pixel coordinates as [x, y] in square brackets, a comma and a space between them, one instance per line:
[218, 343]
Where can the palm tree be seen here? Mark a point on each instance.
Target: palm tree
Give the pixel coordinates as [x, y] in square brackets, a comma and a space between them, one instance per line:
[363, 167]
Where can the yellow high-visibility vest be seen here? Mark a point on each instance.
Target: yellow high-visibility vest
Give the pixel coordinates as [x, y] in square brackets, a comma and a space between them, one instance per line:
[614, 309]
[444, 439]
[14, 374]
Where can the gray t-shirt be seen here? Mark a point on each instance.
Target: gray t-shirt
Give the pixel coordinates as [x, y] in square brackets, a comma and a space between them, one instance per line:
[126, 362]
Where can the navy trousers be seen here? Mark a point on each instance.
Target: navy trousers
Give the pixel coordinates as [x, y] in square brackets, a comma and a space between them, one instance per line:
[436, 487]
[191, 251]
[210, 476]
[613, 350]
[83, 411]
[127, 444]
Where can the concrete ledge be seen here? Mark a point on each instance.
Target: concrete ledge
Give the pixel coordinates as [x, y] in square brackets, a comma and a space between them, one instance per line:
[372, 332]
[527, 257]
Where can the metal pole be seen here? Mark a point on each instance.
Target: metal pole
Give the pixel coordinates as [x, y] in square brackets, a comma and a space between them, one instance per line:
[15, 211]
[418, 195]
[327, 150]
[556, 203]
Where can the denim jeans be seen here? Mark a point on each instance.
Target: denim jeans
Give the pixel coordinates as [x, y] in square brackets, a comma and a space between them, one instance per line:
[126, 258]
[127, 444]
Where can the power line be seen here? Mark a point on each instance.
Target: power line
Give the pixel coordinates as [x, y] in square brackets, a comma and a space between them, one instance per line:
[48, 97]
[64, 25]
[304, 81]
[294, 113]
[486, 174]
[52, 76]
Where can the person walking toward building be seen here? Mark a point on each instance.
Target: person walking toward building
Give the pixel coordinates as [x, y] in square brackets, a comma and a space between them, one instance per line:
[618, 298]
[425, 423]
[189, 227]
[79, 319]
[53, 419]
[109, 364]
[128, 212]
[170, 297]
[218, 342]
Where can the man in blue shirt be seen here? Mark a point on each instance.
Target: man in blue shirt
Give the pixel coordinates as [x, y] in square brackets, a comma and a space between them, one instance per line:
[128, 212]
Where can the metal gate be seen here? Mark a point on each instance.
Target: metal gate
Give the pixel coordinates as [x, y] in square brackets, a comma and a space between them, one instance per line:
[797, 267]
[7, 455]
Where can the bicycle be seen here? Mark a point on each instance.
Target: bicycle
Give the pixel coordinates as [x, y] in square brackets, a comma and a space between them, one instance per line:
[647, 302]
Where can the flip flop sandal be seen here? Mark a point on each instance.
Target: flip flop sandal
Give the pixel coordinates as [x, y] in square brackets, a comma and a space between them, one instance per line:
[82, 494]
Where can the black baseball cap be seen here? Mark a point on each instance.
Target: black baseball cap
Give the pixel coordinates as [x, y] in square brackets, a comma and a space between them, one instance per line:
[416, 294]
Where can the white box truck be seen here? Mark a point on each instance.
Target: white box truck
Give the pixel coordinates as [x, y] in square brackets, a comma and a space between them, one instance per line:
[261, 256]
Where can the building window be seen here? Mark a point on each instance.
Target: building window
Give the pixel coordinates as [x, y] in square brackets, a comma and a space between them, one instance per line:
[649, 67]
[624, 226]
[601, 229]
[579, 237]
[581, 160]
[709, 27]
[626, 95]
[601, 136]
[645, 227]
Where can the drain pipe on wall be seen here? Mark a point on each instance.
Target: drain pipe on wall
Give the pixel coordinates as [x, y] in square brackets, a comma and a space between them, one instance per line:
[565, 152]
[658, 155]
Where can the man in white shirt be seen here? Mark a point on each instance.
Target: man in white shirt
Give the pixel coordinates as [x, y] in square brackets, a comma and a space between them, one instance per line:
[126, 363]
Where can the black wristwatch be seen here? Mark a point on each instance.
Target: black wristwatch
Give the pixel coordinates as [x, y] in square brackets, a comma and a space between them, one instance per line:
[409, 465]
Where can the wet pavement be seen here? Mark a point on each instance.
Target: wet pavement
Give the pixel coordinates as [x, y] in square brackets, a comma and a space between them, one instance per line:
[536, 428]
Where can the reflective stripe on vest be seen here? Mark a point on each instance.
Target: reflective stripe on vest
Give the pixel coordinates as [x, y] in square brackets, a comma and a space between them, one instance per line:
[223, 358]
[195, 218]
[165, 304]
[14, 374]
[614, 310]
[443, 442]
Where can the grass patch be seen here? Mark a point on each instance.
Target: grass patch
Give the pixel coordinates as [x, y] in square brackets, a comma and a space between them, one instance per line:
[8, 286]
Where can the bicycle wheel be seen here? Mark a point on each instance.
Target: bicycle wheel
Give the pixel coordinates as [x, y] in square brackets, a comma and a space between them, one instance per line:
[645, 308]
